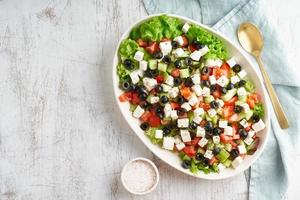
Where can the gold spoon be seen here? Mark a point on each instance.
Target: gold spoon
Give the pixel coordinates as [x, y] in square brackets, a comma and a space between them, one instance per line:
[252, 41]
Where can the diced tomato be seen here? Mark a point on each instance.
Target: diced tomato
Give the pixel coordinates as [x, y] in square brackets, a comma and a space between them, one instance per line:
[152, 48]
[254, 97]
[217, 94]
[145, 116]
[205, 106]
[185, 92]
[225, 69]
[202, 123]
[135, 99]
[233, 144]
[195, 141]
[213, 160]
[236, 137]
[183, 116]
[175, 73]
[160, 78]
[165, 39]
[126, 96]
[252, 100]
[225, 138]
[185, 41]
[192, 48]
[154, 121]
[228, 111]
[251, 103]
[204, 77]
[248, 128]
[142, 43]
[231, 102]
[234, 118]
[190, 151]
[175, 105]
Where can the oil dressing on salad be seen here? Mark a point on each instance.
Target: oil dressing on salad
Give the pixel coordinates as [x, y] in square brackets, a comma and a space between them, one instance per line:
[189, 95]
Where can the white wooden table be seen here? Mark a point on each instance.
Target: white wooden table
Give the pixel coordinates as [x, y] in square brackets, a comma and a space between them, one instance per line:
[61, 134]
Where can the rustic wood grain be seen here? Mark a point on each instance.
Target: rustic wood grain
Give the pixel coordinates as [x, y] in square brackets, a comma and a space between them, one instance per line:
[61, 134]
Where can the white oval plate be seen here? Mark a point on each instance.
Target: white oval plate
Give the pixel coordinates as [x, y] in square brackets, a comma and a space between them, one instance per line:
[172, 158]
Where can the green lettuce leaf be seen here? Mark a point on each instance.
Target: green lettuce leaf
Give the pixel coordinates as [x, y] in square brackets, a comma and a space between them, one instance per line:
[127, 49]
[123, 73]
[249, 86]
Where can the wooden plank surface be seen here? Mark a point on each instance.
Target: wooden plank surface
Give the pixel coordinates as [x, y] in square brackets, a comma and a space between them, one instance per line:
[61, 134]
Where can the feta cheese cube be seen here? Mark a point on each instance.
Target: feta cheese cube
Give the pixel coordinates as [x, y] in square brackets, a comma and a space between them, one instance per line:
[221, 167]
[234, 79]
[186, 27]
[149, 83]
[246, 107]
[242, 149]
[138, 56]
[258, 126]
[200, 131]
[196, 79]
[193, 100]
[237, 161]
[166, 88]
[202, 142]
[251, 133]
[197, 119]
[206, 91]
[242, 73]
[212, 80]
[185, 135]
[165, 47]
[140, 73]
[197, 89]
[196, 55]
[169, 80]
[154, 100]
[248, 140]
[186, 106]
[223, 123]
[198, 111]
[220, 102]
[228, 130]
[222, 81]
[173, 92]
[183, 123]
[134, 77]
[179, 40]
[178, 52]
[167, 110]
[143, 65]
[204, 50]
[231, 62]
[244, 123]
[212, 112]
[158, 134]
[168, 143]
[241, 91]
[213, 62]
[208, 154]
[138, 112]
[174, 115]
[180, 146]
[216, 139]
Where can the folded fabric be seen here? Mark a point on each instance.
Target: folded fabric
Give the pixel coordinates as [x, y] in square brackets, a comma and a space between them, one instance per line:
[272, 169]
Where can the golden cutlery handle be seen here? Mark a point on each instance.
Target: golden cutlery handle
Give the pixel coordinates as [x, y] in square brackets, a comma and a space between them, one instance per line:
[282, 119]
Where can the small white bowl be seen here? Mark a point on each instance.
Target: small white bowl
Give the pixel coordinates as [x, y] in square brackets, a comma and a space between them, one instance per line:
[153, 182]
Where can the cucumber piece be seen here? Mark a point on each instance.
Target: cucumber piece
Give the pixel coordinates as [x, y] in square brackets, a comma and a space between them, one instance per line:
[227, 163]
[248, 115]
[210, 145]
[223, 155]
[215, 119]
[184, 73]
[228, 147]
[170, 68]
[209, 99]
[132, 107]
[243, 98]
[229, 94]
[207, 117]
[162, 67]
[149, 98]
[152, 64]
[190, 116]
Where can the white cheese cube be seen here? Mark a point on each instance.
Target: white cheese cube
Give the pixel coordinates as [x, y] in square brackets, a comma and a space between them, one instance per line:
[186, 27]
[154, 100]
[244, 123]
[242, 149]
[173, 92]
[213, 62]
[242, 73]
[185, 135]
[212, 112]
[183, 123]
[166, 88]
[197, 89]
[140, 73]
[143, 65]
[222, 81]
[202, 142]
[204, 50]
[220, 102]
[237, 161]
[169, 80]
[196, 55]
[167, 110]
[138, 56]
[212, 80]
[178, 52]
[198, 111]
[251, 133]
[248, 140]
[246, 107]
[138, 112]
[228, 130]
[179, 40]
[197, 119]
[221, 167]
[223, 123]
[168, 143]
[134, 77]
[208, 154]
[180, 146]
[186, 106]
[193, 100]
[158, 134]
[196, 79]
[216, 139]
[165, 47]
[241, 92]
[234, 79]
[258, 126]
[206, 91]
[200, 131]
[149, 83]
[231, 62]
[174, 115]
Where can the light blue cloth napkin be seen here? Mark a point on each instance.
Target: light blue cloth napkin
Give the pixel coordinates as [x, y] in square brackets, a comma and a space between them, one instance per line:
[270, 174]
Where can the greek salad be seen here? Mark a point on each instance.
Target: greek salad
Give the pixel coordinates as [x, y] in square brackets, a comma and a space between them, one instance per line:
[189, 95]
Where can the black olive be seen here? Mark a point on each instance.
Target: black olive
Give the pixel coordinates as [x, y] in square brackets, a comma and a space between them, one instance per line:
[243, 133]
[213, 88]
[206, 162]
[237, 68]
[180, 99]
[158, 88]
[242, 83]
[159, 110]
[177, 64]
[166, 59]
[255, 118]
[126, 86]
[214, 104]
[204, 70]
[208, 126]
[188, 82]
[160, 115]
[143, 96]
[238, 109]
[175, 44]
[223, 90]
[216, 150]
[234, 153]
[166, 130]
[197, 45]
[141, 89]
[177, 81]
[149, 73]
[205, 83]
[128, 64]
[230, 86]
[164, 99]
[192, 125]
[186, 164]
[144, 104]
[217, 131]
[144, 126]
[237, 85]
[181, 111]
[199, 157]
[133, 87]
[188, 61]
[158, 55]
